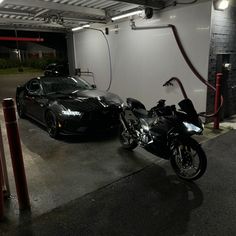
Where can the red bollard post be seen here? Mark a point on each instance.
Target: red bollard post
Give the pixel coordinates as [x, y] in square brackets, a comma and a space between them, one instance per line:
[217, 100]
[4, 167]
[16, 153]
[1, 193]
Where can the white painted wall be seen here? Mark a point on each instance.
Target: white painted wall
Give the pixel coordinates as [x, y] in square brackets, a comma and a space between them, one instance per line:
[143, 60]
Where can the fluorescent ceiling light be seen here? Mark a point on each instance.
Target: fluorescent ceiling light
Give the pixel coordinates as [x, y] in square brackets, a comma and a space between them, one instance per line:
[86, 26]
[221, 4]
[1, 1]
[77, 28]
[80, 27]
[127, 15]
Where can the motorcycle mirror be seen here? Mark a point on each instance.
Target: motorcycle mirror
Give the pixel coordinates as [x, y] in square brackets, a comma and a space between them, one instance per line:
[161, 101]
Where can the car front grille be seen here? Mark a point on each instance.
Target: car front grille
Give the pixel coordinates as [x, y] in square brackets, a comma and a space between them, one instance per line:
[104, 115]
[84, 106]
[100, 118]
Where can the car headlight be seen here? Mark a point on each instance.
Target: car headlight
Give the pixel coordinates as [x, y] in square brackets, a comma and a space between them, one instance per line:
[71, 113]
[190, 127]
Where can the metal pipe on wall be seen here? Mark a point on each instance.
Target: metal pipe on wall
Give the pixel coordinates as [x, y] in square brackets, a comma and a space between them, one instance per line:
[186, 58]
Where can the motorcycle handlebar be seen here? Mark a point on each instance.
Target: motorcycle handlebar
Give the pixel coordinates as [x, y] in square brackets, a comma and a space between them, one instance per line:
[168, 83]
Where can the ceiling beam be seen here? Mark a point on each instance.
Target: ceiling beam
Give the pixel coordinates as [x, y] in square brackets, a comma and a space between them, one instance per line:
[31, 28]
[85, 19]
[157, 4]
[57, 6]
[9, 21]
[75, 19]
[15, 12]
[41, 12]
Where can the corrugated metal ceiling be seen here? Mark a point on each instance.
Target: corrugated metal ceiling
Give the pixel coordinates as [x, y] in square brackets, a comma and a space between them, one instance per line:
[58, 14]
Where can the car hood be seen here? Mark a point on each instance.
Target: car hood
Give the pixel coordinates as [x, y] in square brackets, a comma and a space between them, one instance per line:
[95, 94]
[89, 100]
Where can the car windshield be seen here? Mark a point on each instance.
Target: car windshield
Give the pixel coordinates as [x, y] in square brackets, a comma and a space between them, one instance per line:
[64, 84]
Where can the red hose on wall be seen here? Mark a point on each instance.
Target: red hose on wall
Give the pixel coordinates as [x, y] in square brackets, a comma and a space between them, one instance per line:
[194, 70]
[187, 60]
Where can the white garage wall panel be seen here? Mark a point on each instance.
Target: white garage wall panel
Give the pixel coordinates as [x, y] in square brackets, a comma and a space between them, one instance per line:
[143, 60]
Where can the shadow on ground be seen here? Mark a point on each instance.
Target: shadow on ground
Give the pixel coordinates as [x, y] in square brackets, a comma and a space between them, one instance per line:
[91, 135]
[147, 203]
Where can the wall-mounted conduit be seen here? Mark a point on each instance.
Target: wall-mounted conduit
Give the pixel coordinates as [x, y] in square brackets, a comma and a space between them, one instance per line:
[186, 58]
[109, 55]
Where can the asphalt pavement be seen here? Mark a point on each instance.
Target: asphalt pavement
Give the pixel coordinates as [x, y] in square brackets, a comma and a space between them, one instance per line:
[153, 201]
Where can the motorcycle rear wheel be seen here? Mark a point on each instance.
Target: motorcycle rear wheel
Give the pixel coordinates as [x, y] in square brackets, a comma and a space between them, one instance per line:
[126, 139]
[184, 158]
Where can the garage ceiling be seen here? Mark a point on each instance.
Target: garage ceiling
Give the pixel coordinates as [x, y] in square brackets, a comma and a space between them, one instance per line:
[61, 15]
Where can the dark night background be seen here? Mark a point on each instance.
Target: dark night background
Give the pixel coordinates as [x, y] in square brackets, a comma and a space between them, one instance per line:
[56, 41]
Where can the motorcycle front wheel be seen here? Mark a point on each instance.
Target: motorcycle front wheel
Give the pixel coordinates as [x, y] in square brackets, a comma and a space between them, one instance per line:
[188, 159]
[126, 139]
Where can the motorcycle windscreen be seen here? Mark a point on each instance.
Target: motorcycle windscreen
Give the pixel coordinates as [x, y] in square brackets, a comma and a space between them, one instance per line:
[186, 105]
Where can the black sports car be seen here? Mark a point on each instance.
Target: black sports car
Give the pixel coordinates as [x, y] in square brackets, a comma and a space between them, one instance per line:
[67, 105]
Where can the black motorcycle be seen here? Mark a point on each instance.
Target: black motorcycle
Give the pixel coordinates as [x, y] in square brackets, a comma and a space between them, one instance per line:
[166, 132]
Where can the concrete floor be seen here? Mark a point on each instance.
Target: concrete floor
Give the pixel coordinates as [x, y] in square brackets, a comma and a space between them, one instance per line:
[153, 201]
[74, 169]
[229, 122]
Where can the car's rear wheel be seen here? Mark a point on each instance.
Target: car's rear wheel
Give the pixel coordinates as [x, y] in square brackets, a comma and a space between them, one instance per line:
[52, 124]
[20, 105]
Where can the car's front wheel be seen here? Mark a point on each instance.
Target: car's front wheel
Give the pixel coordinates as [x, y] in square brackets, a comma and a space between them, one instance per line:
[52, 124]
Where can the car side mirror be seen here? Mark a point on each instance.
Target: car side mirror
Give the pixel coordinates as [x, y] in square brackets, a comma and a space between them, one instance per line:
[94, 86]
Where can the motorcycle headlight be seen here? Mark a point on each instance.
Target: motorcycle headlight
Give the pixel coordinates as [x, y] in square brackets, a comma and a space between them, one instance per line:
[122, 105]
[71, 113]
[192, 128]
